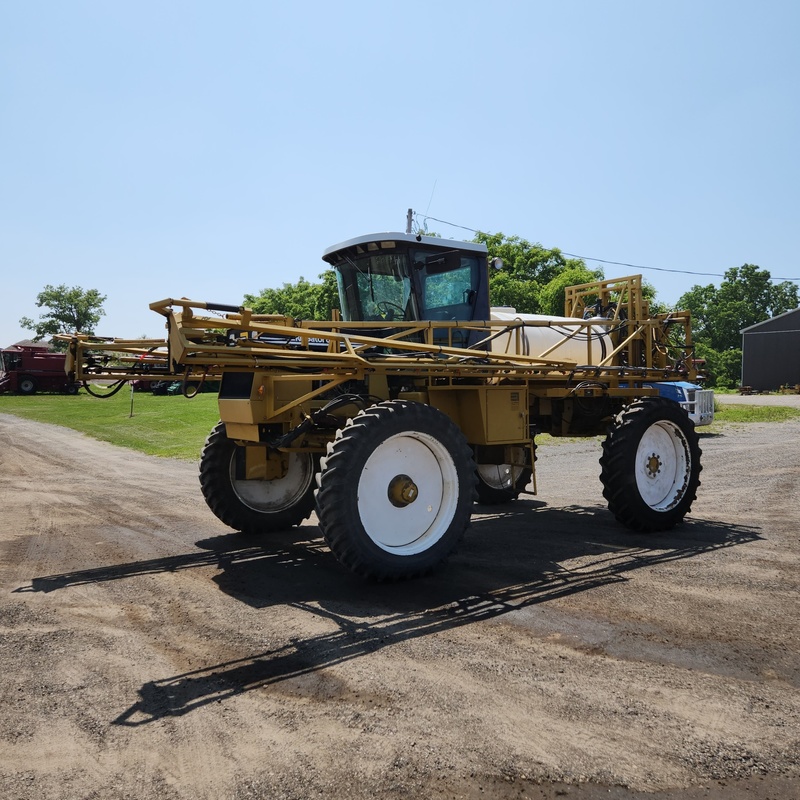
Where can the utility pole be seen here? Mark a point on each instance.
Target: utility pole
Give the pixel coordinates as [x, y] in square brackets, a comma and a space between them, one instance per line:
[409, 217]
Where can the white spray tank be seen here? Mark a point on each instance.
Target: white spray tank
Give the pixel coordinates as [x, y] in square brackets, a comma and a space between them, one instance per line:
[552, 338]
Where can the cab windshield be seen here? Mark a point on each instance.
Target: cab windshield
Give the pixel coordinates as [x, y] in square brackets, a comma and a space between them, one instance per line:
[376, 287]
[449, 282]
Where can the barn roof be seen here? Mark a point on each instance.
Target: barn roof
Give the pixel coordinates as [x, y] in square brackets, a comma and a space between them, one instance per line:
[776, 323]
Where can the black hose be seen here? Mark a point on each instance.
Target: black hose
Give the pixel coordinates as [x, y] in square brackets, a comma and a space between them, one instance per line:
[115, 387]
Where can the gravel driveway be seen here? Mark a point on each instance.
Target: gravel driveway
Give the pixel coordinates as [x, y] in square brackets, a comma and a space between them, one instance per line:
[148, 652]
[791, 400]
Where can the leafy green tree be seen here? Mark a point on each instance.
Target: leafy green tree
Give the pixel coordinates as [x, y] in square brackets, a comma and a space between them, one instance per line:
[302, 300]
[69, 310]
[527, 269]
[525, 260]
[723, 368]
[551, 296]
[745, 297]
[506, 290]
[328, 297]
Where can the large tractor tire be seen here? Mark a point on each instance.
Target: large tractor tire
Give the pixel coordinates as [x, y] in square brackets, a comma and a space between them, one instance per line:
[27, 385]
[396, 490]
[254, 506]
[651, 465]
[501, 483]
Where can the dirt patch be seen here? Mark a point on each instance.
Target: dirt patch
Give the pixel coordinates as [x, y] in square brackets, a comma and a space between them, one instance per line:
[148, 652]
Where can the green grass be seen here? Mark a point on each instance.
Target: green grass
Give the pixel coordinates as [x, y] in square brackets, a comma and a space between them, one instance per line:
[161, 425]
[745, 413]
[175, 427]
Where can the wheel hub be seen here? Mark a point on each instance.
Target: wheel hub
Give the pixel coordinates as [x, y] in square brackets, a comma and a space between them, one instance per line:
[653, 465]
[663, 465]
[402, 491]
[401, 514]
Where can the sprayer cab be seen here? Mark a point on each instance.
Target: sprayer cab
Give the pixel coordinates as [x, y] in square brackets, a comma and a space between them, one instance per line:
[405, 277]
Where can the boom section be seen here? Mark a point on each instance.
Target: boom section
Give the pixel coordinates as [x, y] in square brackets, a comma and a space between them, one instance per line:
[290, 368]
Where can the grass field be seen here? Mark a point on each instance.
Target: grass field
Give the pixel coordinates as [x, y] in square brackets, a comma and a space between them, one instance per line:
[161, 425]
[746, 413]
[175, 427]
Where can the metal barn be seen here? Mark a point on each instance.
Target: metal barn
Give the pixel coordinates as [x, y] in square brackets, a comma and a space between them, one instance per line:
[771, 352]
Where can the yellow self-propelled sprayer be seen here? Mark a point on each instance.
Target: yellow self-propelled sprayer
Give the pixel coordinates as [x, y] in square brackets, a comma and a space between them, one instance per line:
[392, 420]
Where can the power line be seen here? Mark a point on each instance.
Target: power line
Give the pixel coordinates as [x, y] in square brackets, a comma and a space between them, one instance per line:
[425, 219]
[641, 266]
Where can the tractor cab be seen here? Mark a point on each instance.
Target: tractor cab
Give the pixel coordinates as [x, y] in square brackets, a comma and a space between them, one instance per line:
[406, 277]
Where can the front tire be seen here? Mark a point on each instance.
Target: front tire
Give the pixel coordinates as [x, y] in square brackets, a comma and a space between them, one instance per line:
[396, 490]
[254, 506]
[651, 465]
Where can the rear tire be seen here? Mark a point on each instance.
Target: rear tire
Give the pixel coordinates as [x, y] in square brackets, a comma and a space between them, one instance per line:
[27, 385]
[651, 465]
[501, 483]
[254, 506]
[396, 490]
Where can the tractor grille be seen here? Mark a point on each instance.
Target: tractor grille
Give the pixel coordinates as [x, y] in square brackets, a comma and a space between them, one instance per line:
[700, 406]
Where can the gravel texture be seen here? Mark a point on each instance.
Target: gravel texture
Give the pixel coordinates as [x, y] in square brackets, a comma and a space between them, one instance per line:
[148, 652]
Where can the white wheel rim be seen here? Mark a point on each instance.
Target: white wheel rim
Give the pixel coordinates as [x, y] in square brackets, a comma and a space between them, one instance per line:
[663, 466]
[428, 470]
[279, 493]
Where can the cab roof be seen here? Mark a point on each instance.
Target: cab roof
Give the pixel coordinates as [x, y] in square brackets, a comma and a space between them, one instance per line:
[375, 242]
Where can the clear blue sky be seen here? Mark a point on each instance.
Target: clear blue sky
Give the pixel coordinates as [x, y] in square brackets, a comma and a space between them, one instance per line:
[199, 149]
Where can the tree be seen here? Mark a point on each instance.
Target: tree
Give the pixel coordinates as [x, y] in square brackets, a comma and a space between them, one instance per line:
[328, 296]
[525, 260]
[302, 300]
[723, 368]
[506, 290]
[70, 310]
[551, 296]
[527, 269]
[745, 297]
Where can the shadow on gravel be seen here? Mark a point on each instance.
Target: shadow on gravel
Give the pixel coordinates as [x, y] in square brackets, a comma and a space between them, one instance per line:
[510, 559]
